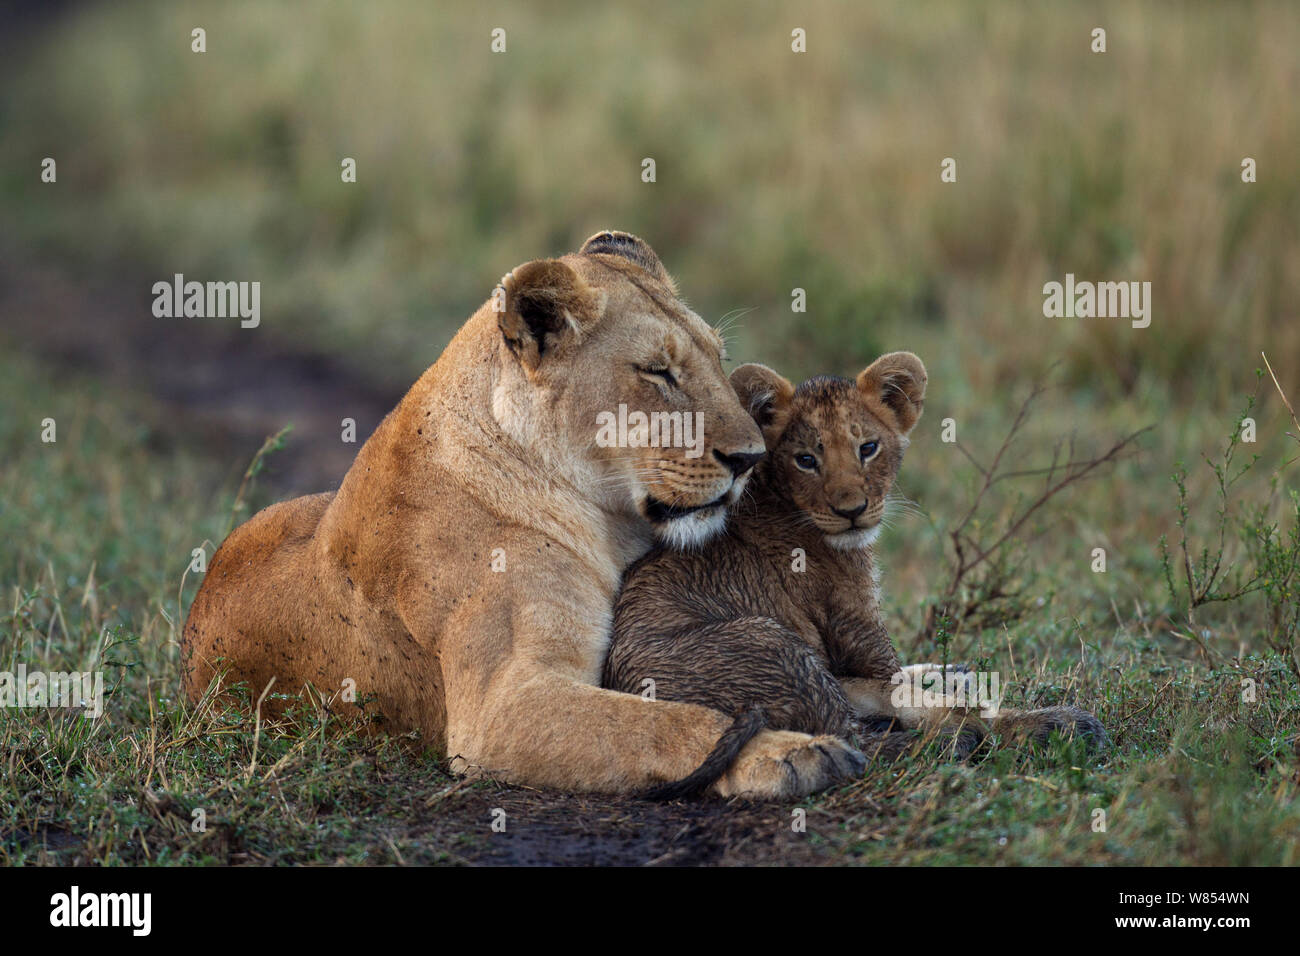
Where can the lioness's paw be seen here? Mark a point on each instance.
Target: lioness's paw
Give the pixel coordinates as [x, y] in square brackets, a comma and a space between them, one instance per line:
[781, 764]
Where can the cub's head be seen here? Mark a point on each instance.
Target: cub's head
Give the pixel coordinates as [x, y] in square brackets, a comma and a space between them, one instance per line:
[618, 387]
[834, 445]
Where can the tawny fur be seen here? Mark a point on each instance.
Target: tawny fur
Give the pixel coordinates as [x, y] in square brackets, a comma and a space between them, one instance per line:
[463, 575]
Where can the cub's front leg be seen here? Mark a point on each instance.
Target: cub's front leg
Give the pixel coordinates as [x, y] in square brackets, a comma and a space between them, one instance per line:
[923, 697]
[1015, 726]
[877, 685]
[930, 696]
[1036, 726]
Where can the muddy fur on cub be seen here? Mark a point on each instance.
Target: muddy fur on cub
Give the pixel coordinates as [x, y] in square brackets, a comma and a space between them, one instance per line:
[777, 620]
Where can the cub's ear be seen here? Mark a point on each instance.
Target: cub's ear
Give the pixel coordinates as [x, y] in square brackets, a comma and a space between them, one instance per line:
[766, 396]
[627, 246]
[541, 305]
[896, 382]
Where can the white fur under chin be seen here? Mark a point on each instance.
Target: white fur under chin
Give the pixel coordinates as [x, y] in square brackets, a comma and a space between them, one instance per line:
[692, 530]
[854, 540]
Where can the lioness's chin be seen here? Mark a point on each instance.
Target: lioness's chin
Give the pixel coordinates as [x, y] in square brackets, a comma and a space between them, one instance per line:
[691, 530]
[689, 526]
[855, 539]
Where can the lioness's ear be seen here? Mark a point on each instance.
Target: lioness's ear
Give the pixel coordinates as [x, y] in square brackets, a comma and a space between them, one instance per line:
[627, 246]
[542, 304]
[897, 382]
[766, 396]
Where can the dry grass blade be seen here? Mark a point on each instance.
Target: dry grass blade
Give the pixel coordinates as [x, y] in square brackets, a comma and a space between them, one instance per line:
[1285, 400]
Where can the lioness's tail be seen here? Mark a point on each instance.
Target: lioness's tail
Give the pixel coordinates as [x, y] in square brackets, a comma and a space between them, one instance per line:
[748, 722]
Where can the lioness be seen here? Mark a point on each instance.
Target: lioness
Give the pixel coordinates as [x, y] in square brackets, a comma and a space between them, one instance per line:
[781, 613]
[463, 575]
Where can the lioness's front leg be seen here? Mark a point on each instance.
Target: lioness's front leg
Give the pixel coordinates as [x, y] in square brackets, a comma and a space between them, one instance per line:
[551, 730]
[541, 720]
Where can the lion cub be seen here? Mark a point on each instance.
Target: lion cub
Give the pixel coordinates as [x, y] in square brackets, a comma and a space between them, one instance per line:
[777, 620]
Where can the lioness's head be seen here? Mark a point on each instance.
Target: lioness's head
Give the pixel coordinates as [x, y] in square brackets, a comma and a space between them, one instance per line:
[834, 445]
[619, 387]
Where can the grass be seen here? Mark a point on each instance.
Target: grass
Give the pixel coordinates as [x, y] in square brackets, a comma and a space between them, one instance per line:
[775, 172]
[1197, 775]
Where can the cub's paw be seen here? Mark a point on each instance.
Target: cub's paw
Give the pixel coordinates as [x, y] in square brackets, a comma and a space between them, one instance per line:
[954, 685]
[1071, 722]
[914, 670]
[778, 764]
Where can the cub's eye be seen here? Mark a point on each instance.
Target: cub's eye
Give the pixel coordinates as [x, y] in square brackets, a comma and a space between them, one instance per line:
[868, 449]
[659, 371]
[806, 461]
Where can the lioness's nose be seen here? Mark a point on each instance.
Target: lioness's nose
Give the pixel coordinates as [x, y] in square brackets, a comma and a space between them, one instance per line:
[738, 463]
[850, 513]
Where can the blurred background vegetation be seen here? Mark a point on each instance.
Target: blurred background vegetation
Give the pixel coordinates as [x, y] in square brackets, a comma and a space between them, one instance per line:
[774, 171]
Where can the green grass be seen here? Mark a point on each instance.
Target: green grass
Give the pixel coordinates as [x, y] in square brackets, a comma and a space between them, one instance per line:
[1196, 776]
[774, 172]
[107, 516]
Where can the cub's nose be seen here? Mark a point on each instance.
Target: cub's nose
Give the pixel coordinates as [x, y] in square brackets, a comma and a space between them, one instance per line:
[850, 513]
[740, 462]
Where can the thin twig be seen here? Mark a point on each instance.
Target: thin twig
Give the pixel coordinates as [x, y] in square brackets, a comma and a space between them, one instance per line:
[1285, 400]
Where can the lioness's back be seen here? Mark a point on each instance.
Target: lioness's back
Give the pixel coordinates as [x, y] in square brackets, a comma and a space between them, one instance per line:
[260, 559]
